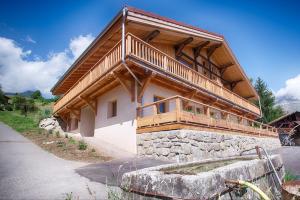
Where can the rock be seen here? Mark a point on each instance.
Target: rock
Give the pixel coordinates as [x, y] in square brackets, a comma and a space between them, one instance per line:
[164, 145]
[163, 151]
[147, 137]
[171, 136]
[149, 151]
[50, 123]
[186, 149]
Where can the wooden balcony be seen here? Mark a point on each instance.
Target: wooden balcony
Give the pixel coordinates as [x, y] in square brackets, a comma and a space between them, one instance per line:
[110, 60]
[142, 51]
[183, 111]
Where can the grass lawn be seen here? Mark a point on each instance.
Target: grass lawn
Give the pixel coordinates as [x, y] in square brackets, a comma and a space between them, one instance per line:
[19, 122]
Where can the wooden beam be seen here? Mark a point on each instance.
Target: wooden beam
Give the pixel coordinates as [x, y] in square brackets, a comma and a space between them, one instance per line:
[198, 49]
[197, 63]
[232, 84]
[210, 50]
[91, 103]
[179, 47]
[129, 88]
[224, 67]
[249, 97]
[145, 84]
[122, 82]
[191, 94]
[151, 36]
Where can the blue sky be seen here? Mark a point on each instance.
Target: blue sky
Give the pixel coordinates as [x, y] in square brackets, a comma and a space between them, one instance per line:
[264, 35]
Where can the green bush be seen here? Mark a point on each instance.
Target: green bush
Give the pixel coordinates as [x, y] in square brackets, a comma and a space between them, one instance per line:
[289, 176]
[60, 144]
[8, 107]
[40, 131]
[82, 145]
[72, 141]
[57, 134]
[66, 135]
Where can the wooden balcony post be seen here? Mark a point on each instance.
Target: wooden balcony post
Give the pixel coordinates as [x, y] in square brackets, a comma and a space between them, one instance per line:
[129, 44]
[208, 112]
[165, 63]
[154, 109]
[178, 109]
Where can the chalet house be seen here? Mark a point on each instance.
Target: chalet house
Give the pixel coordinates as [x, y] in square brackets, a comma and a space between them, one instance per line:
[288, 127]
[145, 74]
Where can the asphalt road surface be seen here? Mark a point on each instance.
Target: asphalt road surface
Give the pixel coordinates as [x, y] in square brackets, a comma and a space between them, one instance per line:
[29, 172]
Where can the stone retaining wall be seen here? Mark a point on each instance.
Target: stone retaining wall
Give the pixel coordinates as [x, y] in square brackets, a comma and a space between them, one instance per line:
[191, 145]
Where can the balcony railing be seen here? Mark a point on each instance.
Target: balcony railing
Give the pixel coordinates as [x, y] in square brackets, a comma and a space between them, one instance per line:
[111, 59]
[138, 49]
[185, 111]
[147, 53]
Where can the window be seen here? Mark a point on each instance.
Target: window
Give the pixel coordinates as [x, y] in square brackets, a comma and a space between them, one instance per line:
[112, 109]
[162, 107]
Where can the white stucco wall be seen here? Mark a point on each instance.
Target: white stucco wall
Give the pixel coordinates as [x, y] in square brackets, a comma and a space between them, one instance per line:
[120, 130]
[155, 90]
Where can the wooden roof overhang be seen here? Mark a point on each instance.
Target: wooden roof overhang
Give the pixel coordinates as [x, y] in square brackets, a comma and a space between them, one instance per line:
[141, 24]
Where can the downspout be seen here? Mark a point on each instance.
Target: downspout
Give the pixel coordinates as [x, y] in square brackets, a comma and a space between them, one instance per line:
[261, 113]
[125, 10]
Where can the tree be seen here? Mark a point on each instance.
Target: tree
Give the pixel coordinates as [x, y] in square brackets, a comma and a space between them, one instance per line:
[37, 95]
[2, 98]
[270, 110]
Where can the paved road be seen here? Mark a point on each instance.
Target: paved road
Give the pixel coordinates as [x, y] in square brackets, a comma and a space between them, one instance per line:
[291, 158]
[111, 172]
[28, 172]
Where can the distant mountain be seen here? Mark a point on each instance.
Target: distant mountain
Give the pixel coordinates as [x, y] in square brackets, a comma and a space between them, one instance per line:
[27, 93]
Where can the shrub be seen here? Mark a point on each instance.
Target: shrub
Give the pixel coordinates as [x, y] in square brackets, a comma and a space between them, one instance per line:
[60, 144]
[8, 107]
[289, 176]
[40, 131]
[50, 131]
[66, 135]
[93, 150]
[82, 145]
[72, 141]
[57, 134]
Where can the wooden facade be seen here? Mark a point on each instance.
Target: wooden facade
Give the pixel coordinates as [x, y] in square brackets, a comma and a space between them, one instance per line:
[138, 48]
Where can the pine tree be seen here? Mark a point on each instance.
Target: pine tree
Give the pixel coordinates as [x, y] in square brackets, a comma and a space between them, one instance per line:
[270, 110]
[2, 98]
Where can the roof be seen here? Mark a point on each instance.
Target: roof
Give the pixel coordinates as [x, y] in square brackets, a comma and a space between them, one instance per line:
[284, 116]
[149, 14]
[198, 32]
[118, 16]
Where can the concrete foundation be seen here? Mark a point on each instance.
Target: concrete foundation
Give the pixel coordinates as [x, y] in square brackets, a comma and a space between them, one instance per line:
[191, 145]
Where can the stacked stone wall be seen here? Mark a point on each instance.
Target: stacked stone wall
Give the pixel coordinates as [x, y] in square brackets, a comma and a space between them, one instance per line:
[191, 145]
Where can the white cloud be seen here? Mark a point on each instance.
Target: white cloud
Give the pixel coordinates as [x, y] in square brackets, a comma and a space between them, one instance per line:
[289, 95]
[30, 40]
[79, 44]
[18, 73]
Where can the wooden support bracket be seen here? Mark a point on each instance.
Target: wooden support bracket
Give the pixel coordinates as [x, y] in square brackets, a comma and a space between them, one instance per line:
[224, 67]
[179, 47]
[145, 84]
[92, 103]
[151, 35]
[233, 84]
[210, 50]
[198, 49]
[129, 88]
